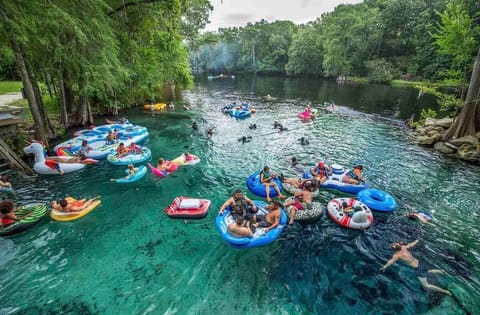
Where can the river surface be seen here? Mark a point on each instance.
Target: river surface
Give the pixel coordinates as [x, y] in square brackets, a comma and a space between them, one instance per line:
[128, 257]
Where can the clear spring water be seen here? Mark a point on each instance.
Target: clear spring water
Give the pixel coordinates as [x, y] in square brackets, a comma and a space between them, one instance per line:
[128, 257]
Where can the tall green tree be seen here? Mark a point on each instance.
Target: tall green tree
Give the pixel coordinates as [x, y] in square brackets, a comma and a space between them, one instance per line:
[457, 38]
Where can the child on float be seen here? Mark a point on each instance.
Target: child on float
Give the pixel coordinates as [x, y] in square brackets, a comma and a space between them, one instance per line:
[7, 213]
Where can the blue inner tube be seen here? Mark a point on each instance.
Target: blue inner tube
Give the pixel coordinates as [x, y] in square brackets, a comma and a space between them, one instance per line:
[256, 188]
[248, 242]
[377, 199]
[142, 170]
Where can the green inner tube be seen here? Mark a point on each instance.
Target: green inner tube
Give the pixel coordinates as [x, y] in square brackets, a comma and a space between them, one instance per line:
[35, 212]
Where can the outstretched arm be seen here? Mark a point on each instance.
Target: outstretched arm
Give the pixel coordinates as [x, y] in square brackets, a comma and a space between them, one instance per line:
[410, 245]
[389, 263]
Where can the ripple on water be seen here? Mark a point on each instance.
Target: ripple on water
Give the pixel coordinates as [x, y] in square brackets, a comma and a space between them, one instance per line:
[128, 257]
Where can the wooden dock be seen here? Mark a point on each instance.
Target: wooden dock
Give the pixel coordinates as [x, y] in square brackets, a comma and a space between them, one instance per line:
[11, 119]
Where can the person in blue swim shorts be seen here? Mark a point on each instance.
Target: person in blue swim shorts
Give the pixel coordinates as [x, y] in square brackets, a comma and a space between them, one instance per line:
[402, 253]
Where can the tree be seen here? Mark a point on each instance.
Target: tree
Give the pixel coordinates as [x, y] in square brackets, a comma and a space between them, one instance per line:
[456, 38]
[468, 121]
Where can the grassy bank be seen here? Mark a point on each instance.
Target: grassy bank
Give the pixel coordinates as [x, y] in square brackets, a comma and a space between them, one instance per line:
[10, 86]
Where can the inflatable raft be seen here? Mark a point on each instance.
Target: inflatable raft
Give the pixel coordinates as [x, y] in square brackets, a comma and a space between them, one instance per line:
[188, 208]
[159, 173]
[130, 158]
[156, 107]
[307, 215]
[70, 216]
[260, 238]
[378, 200]
[190, 160]
[140, 172]
[359, 218]
[36, 212]
[258, 189]
[335, 181]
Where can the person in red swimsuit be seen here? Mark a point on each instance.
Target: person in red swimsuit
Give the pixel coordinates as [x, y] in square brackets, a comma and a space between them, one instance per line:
[7, 213]
[72, 206]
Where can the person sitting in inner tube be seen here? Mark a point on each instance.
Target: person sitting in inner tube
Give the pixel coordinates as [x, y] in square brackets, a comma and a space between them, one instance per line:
[73, 206]
[110, 139]
[84, 149]
[239, 228]
[134, 148]
[266, 180]
[131, 171]
[122, 150]
[238, 204]
[302, 200]
[321, 172]
[272, 219]
[7, 213]
[354, 176]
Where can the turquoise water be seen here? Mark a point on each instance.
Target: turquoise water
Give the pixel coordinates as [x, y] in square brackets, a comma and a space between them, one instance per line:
[128, 257]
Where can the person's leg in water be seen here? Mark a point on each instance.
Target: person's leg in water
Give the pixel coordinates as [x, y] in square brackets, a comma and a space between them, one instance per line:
[426, 285]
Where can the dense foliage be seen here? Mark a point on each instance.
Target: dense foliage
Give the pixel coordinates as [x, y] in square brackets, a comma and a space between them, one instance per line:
[378, 39]
[107, 53]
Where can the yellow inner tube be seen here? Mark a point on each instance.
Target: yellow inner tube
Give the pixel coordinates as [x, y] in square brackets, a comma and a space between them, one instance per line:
[158, 106]
[70, 216]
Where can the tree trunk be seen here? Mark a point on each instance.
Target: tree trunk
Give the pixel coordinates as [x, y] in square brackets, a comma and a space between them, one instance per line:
[82, 118]
[40, 130]
[39, 99]
[63, 105]
[90, 114]
[468, 121]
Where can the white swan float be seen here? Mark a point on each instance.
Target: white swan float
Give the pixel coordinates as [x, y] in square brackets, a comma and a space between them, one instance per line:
[46, 166]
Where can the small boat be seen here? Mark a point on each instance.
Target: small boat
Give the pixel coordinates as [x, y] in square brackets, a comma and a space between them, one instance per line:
[70, 216]
[188, 208]
[260, 238]
[131, 157]
[35, 212]
[361, 216]
[258, 189]
[377, 200]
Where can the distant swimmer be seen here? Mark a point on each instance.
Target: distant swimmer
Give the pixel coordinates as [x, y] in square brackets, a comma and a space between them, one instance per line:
[245, 139]
[304, 141]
